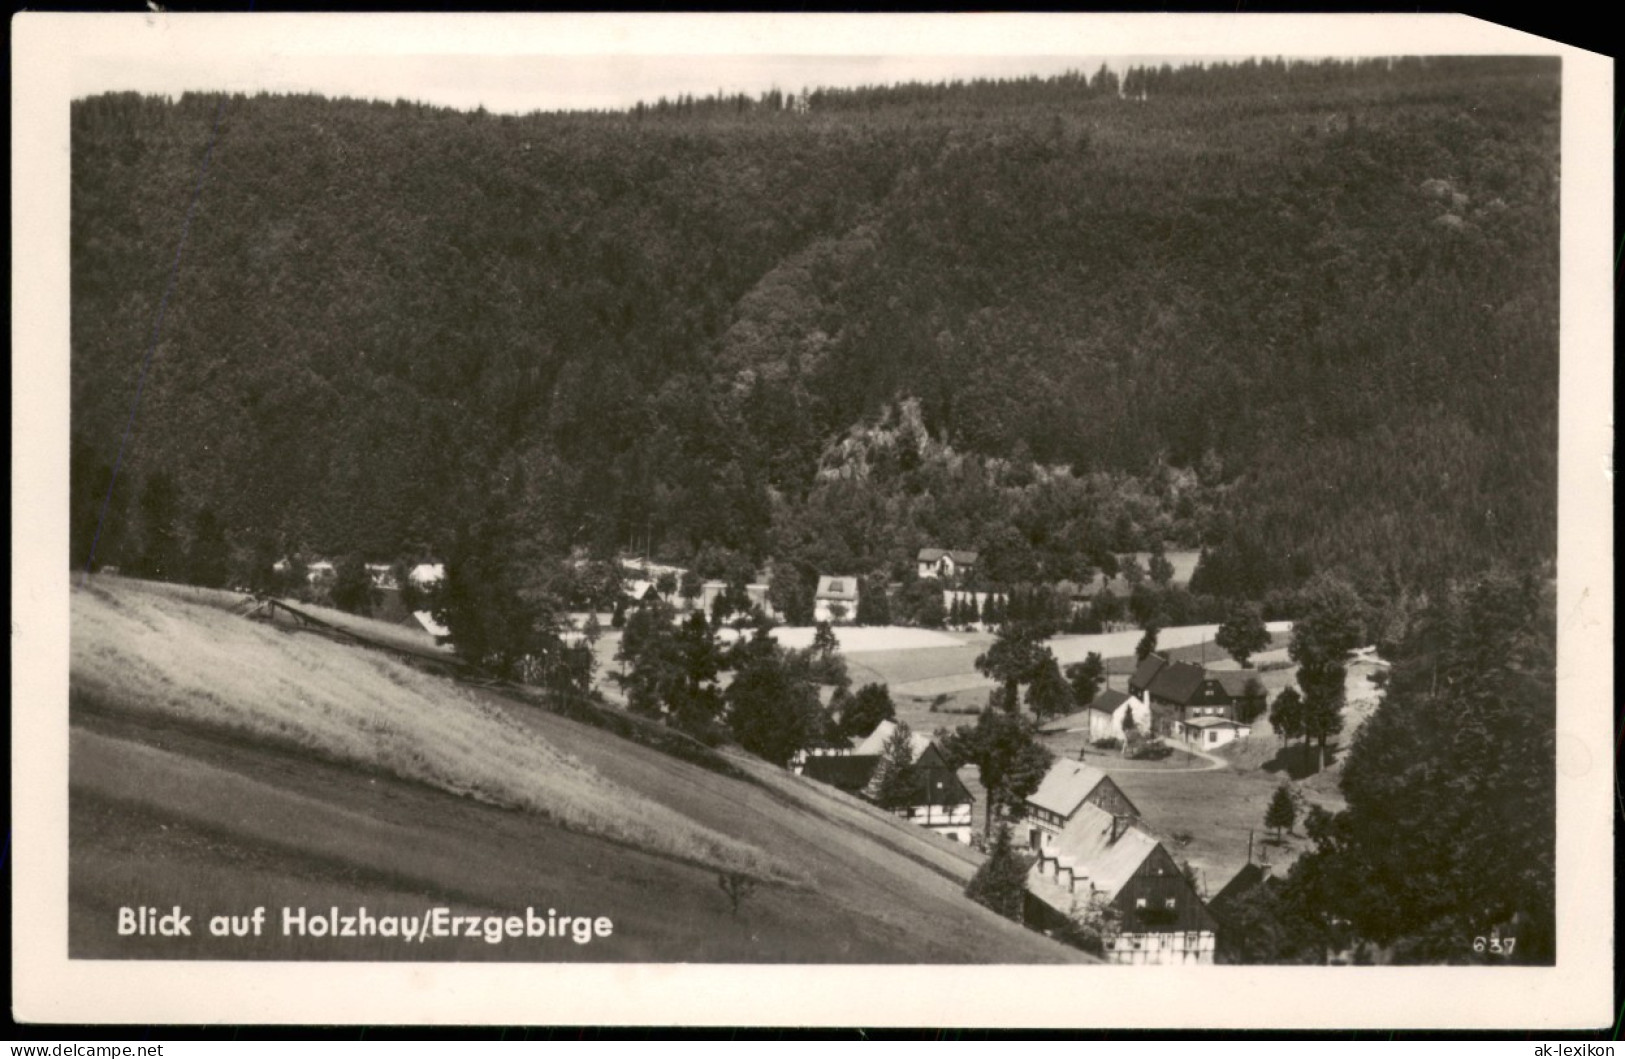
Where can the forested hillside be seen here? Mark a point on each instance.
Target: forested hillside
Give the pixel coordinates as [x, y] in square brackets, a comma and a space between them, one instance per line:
[1302, 315]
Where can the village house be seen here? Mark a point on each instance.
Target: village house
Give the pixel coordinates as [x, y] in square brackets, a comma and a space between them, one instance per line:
[1106, 861]
[1105, 718]
[756, 593]
[383, 578]
[1181, 691]
[1209, 733]
[1066, 788]
[836, 600]
[945, 565]
[426, 622]
[940, 803]
[424, 575]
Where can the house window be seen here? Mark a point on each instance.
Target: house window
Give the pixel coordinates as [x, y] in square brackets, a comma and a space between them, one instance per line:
[1169, 903]
[837, 586]
[1139, 902]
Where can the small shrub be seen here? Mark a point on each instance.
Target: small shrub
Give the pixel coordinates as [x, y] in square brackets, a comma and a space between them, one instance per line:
[1111, 742]
[1150, 750]
[738, 887]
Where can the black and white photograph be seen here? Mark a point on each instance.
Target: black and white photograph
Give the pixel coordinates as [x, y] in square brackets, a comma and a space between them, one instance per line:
[812, 518]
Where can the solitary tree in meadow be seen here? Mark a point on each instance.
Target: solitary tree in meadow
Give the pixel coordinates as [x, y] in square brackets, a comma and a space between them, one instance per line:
[1282, 812]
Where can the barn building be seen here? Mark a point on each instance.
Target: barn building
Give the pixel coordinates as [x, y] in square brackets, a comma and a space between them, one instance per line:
[1111, 861]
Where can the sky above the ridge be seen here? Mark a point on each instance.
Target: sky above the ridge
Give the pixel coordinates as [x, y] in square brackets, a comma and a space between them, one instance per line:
[516, 64]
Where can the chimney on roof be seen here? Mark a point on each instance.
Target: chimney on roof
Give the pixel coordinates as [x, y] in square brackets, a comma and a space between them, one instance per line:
[1120, 824]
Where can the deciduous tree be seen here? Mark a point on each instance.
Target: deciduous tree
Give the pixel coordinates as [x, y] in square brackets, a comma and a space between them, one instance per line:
[871, 705]
[1086, 677]
[1015, 658]
[1243, 633]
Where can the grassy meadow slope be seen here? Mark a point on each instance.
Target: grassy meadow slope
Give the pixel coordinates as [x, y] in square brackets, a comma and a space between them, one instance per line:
[222, 765]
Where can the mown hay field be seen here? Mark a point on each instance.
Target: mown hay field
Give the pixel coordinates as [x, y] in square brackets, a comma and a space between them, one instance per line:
[141, 650]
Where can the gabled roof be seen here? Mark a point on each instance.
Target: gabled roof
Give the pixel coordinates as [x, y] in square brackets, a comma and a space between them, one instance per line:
[1108, 701]
[1070, 722]
[1214, 722]
[845, 588]
[1065, 786]
[1086, 846]
[875, 742]
[430, 626]
[1147, 670]
[849, 772]
[931, 555]
[1177, 681]
[1246, 880]
[1234, 681]
[940, 786]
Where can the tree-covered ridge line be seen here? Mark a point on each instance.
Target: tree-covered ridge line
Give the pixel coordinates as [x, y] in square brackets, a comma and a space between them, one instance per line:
[1333, 303]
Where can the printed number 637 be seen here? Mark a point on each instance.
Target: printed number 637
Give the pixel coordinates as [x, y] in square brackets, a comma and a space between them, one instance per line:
[1496, 946]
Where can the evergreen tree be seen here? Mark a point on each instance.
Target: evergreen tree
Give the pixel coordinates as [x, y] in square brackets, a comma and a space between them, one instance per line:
[1148, 643]
[1159, 568]
[874, 602]
[208, 561]
[353, 590]
[1282, 812]
[1001, 881]
[895, 783]
[161, 555]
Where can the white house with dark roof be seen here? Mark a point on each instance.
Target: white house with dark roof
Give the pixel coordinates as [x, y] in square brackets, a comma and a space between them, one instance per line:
[836, 599]
[1103, 718]
[944, 564]
[1209, 733]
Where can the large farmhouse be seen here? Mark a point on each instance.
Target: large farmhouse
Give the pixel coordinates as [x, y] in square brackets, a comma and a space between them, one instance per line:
[1181, 691]
[940, 802]
[1103, 861]
[1067, 788]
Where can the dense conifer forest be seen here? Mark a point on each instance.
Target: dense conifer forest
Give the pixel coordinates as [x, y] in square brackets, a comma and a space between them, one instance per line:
[1303, 316]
